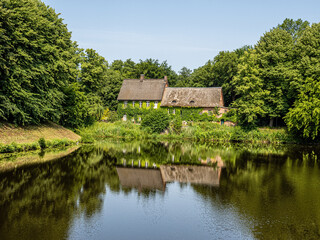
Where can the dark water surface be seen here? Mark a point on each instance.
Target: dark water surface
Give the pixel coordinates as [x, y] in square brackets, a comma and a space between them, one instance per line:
[186, 191]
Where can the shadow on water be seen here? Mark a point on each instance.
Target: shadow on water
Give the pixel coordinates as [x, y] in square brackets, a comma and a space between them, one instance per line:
[274, 190]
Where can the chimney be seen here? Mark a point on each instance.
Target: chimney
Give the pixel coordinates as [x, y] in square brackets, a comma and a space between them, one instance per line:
[141, 77]
[166, 81]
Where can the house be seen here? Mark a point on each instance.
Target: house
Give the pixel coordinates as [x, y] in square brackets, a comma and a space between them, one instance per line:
[155, 93]
[207, 99]
[142, 93]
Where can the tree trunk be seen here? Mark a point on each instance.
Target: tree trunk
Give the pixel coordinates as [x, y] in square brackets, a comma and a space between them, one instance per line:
[271, 122]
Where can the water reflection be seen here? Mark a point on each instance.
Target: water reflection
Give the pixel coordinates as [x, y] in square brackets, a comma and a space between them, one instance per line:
[268, 192]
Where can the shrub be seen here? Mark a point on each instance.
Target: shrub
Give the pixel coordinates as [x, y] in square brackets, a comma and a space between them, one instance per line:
[112, 116]
[157, 121]
[176, 124]
[42, 143]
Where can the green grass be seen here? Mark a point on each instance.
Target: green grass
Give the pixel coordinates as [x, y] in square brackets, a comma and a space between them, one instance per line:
[201, 131]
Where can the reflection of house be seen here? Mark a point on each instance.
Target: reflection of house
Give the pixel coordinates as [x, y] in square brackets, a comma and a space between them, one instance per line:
[148, 179]
[141, 178]
[191, 174]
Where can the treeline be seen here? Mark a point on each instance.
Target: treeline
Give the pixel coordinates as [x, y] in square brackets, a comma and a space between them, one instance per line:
[44, 75]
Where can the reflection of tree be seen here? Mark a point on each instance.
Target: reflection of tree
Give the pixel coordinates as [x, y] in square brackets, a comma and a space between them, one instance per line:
[40, 201]
[279, 194]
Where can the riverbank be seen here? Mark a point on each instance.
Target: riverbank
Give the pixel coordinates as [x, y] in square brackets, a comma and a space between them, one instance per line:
[204, 131]
[18, 139]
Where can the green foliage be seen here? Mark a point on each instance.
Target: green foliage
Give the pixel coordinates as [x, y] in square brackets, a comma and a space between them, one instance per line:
[231, 115]
[42, 143]
[176, 125]
[37, 59]
[250, 106]
[304, 116]
[294, 28]
[157, 121]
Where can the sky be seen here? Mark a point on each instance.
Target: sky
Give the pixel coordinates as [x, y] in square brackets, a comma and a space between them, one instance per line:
[186, 33]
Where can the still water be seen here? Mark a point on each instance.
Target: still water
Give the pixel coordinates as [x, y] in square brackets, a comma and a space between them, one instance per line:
[152, 190]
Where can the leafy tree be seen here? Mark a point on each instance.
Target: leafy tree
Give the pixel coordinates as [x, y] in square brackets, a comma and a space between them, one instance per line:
[303, 118]
[250, 103]
[151, 68]
[93, 70]
[225, 68]
[275, 52]
[294, 27]
[37, 59]
[184, 76]
[126, 69]
[110, 89]
[203, 76]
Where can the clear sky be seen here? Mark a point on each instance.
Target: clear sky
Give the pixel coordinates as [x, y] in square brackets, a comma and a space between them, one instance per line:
[183, 32]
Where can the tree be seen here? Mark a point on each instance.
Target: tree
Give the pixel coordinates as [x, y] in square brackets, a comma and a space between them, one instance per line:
[224, 69]
[303, 118]
[93, 71]
[294, 28]
[250, 102]
[184, 76]
[37, 59]
[151, 68]
[203, 76]
[275, 52]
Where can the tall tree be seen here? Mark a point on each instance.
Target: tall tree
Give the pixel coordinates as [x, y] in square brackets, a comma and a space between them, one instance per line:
[184, 76]
[249, 90]
[151, 68]
[275, 51]
[37, 59]
[294, 27]
[303, 118]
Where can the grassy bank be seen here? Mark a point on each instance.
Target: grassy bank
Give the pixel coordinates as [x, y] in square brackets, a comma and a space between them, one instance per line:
[204, 131]
[19, 139]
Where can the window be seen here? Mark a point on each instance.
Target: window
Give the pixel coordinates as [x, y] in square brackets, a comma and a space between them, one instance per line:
[125, 103]
[191, 102]
[132, 103]
[148, 103]
[140, 104]
[174, 111]
[156, 104]
[174, 101]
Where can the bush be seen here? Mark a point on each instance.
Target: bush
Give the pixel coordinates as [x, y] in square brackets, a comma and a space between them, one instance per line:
[42, 143]
[112, 116]
[157, 121]
[176, 125]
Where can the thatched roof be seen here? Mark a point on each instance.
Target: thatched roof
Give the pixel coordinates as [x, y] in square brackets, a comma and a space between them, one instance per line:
[146, 89]
[191, 174]
[140, 178]
[192, 97]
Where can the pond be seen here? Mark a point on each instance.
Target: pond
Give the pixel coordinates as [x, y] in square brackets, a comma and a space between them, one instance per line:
[163, 190]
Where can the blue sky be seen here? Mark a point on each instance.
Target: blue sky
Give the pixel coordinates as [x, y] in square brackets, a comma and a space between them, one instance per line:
[185, 33]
